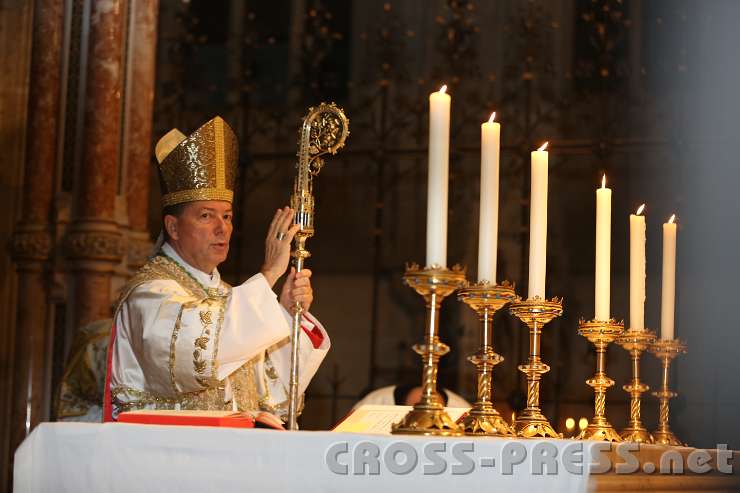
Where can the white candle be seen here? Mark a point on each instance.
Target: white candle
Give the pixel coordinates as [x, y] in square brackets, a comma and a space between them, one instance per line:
[538, 223]
[603, 251]
[637, 270]
[439, 147]
[668, 299]
[488, 224]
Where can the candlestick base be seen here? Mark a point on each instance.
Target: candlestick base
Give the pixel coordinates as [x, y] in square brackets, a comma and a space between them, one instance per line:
[600, 430]
[636, 435]
[428, 417]
[635, 342]
[427, 420]
[667, 438]
[535, 313]
[666, 350]
[530, 424]
[486, 299]
[600, 334]
[482, 421]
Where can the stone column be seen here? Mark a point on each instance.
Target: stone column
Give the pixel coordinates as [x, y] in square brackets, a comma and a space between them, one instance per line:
[32, 240]
[94, 243]
[140, 97]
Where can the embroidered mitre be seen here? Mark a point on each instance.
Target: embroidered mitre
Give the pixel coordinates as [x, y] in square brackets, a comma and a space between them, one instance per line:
[201, 166]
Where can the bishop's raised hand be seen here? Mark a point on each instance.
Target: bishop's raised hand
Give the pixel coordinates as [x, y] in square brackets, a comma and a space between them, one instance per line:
[277, 245]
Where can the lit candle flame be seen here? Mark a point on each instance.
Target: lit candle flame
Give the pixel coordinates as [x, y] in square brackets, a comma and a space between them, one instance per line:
[543, 146]
[443, 89]
[493, 117]
[603, 181]
[640, 209]
[672, 219]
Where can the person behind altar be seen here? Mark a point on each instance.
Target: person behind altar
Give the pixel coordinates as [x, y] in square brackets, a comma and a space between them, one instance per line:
[408, 394]
[184, 339]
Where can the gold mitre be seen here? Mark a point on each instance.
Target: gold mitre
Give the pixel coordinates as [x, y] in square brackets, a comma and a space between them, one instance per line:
[201, 166]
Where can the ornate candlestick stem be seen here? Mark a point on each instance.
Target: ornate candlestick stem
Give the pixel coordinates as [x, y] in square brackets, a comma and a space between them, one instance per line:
[536, 313]
[428, 417]
[635, 342]
[666, 350]
[600, 334]
[486, 299]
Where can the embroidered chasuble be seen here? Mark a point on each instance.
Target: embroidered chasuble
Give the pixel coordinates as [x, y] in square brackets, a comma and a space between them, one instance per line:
[184, 339]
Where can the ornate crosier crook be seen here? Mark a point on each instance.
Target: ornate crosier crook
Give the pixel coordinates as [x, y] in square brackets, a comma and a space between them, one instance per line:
[324, 130]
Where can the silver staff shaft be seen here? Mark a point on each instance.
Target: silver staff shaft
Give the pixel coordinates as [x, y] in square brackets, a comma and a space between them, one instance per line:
[295, 341]
[300, 255]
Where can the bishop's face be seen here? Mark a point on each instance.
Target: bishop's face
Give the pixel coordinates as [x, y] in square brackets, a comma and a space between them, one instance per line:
[201, 233]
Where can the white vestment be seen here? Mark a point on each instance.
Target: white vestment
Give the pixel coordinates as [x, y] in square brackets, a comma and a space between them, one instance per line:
[384, 396]
[186, 340]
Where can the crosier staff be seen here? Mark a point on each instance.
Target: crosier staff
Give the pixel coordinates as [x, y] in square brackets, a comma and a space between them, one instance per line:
[324, 130]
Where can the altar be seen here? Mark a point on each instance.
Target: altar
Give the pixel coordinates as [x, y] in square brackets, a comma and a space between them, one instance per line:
[67, 457]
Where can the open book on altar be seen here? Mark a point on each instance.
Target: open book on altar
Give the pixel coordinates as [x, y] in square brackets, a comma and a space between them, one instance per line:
[378, 419]
[228, 419]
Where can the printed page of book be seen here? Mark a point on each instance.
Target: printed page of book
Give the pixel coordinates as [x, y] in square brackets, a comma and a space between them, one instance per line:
[376, 419]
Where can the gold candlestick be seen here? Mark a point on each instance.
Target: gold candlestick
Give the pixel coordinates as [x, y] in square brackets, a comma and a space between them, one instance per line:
[635, 342]
[666, 350]
[428, 417]
[535, 312]
[600, 334]
[486, 299]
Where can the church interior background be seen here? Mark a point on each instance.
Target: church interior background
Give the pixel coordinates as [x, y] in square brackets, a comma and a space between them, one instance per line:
[645, 92]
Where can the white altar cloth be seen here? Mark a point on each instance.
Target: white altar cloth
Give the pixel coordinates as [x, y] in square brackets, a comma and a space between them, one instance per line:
[117, 457]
